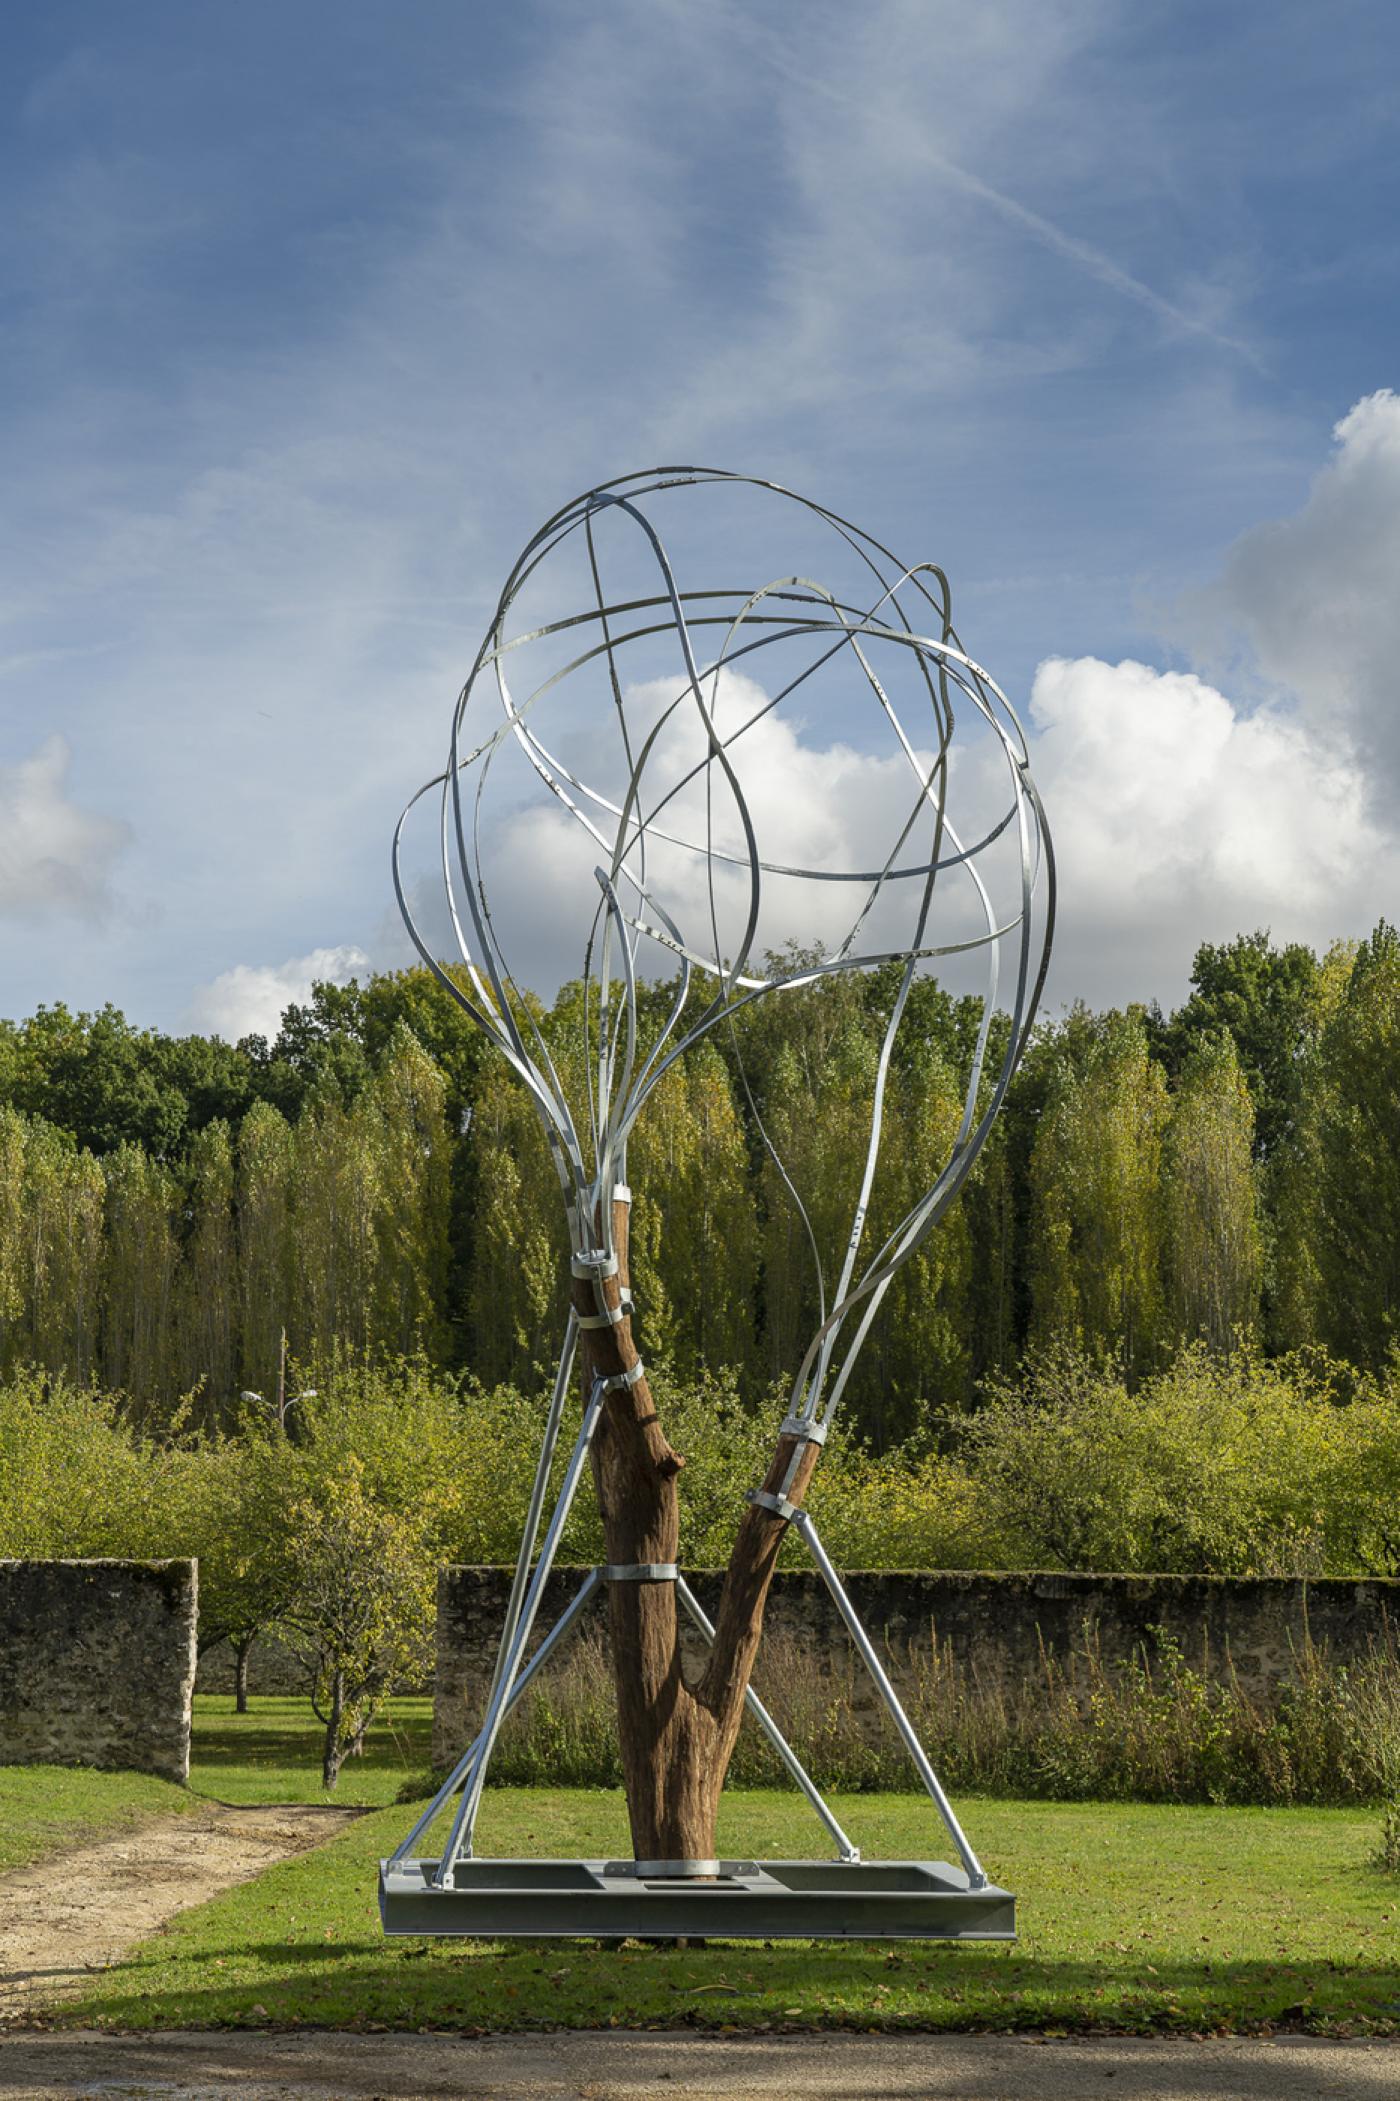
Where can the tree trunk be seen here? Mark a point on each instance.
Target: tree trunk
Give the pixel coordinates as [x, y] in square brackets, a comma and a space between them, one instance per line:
[240, 1674]
[333, 1752]
[676, 1738]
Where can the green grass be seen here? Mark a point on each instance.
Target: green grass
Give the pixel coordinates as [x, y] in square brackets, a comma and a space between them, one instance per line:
[1136, 1918]
[273, 1753]
[46, 1809]
[270, 1755]
[1132, 1917]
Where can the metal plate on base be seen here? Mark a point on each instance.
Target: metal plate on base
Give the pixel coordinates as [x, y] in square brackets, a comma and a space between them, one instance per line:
[746, 1900]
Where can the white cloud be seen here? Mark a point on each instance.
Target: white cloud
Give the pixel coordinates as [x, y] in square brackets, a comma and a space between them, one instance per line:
[55, 858]
[250, 999]
[1179, 817]
[1316, 594]
[817, 802]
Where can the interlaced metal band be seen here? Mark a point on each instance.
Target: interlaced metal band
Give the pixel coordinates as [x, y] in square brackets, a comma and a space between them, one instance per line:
[641, 1572]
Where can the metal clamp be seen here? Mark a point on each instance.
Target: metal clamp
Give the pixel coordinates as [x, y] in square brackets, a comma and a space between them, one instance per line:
[667, 1870]
[803, 1428]
[621, 1381]
[611, 1316]
[779, 1505]
[594, 1262]
[641, 1572]
[621, 1193]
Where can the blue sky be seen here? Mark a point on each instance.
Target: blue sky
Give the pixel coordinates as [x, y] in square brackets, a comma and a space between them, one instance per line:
[311, 314]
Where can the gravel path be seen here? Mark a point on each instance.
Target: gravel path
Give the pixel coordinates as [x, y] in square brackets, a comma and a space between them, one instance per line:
[64, 1918]
[614, 2067]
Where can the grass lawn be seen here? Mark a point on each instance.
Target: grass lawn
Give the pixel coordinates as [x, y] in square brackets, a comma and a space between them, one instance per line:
[270, 1755]
[273, 1754]
[1131, 1917]
[45, 1809]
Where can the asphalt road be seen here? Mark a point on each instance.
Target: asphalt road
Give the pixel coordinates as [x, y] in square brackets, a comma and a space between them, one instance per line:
[610, 2066]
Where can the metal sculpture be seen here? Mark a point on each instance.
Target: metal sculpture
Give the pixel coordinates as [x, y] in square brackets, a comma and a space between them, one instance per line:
[651, 719]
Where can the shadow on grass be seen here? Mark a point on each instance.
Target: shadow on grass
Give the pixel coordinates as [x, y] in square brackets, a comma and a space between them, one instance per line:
[238, 1740]
[918, 1986]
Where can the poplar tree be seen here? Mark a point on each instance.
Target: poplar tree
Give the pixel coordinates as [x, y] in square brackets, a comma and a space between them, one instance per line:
[64, 1224]
[1095, 1180]
[1213, 1246]
[694, 1229]
[516, 1303]
[139, 1281]
[406, 1109]
[1355, 1114]
[266, 1174]
[209, 1280]
[919, 1352]
[338, 1194]
[12, 1266]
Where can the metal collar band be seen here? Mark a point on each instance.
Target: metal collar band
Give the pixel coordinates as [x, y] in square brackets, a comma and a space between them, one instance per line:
[594, 1264]
[668, 1870]
[641, 1572]
[620, 1381]
[779, 1505]
[803, 1429]
[611, 1316]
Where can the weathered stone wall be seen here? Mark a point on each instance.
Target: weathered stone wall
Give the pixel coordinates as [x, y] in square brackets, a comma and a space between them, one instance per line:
[272, 1668]
[996, 1625]
[97, 1663]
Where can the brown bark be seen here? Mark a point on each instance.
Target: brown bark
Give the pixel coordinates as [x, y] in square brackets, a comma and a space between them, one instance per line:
[676, 1737]
[241, 1652]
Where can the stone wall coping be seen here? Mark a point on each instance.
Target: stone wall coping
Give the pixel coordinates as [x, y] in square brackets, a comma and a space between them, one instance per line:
[976, 1575]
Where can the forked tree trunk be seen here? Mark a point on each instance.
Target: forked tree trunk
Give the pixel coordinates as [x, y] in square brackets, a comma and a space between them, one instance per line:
[676, 1737]
[333, 1751]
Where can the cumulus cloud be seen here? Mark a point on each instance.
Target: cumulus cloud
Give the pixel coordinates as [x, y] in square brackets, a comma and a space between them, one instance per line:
[1315, 595]
[1180, 817]
[250, 999]
[55, 858]
[813, 804]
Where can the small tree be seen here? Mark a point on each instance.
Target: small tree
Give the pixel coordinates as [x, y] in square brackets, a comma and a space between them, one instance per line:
[238, 1517]
[362, 1613]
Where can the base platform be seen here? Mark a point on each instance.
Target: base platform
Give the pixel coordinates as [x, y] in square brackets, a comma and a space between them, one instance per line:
[746, 1900]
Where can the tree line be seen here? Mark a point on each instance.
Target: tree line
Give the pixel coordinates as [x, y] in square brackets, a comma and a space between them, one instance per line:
[170, 1207]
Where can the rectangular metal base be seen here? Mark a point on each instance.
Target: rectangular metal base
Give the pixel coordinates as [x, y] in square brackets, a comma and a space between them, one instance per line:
[747, 1900]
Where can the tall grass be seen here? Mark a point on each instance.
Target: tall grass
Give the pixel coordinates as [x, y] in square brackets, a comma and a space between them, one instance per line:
[1151, 1729]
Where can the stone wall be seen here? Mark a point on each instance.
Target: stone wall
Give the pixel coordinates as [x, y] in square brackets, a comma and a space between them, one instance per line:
[97, 1664]
[997, 1625]
[272, 1668]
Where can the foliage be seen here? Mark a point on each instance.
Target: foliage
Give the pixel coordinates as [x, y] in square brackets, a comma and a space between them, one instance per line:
[1265, 999]
[1148, 1728]
[1353, 1128]
[1096, 1171]
[170, 1208]
[1387, 1853]
[362, 1608]
[1213, 1251]
[1233, 1467]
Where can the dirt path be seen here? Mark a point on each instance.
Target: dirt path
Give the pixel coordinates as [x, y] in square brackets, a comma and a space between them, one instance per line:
[64, 1918]
[617, 2067]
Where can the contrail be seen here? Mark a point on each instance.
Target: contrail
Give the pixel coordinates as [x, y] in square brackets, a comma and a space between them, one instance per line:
[1082, 253]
